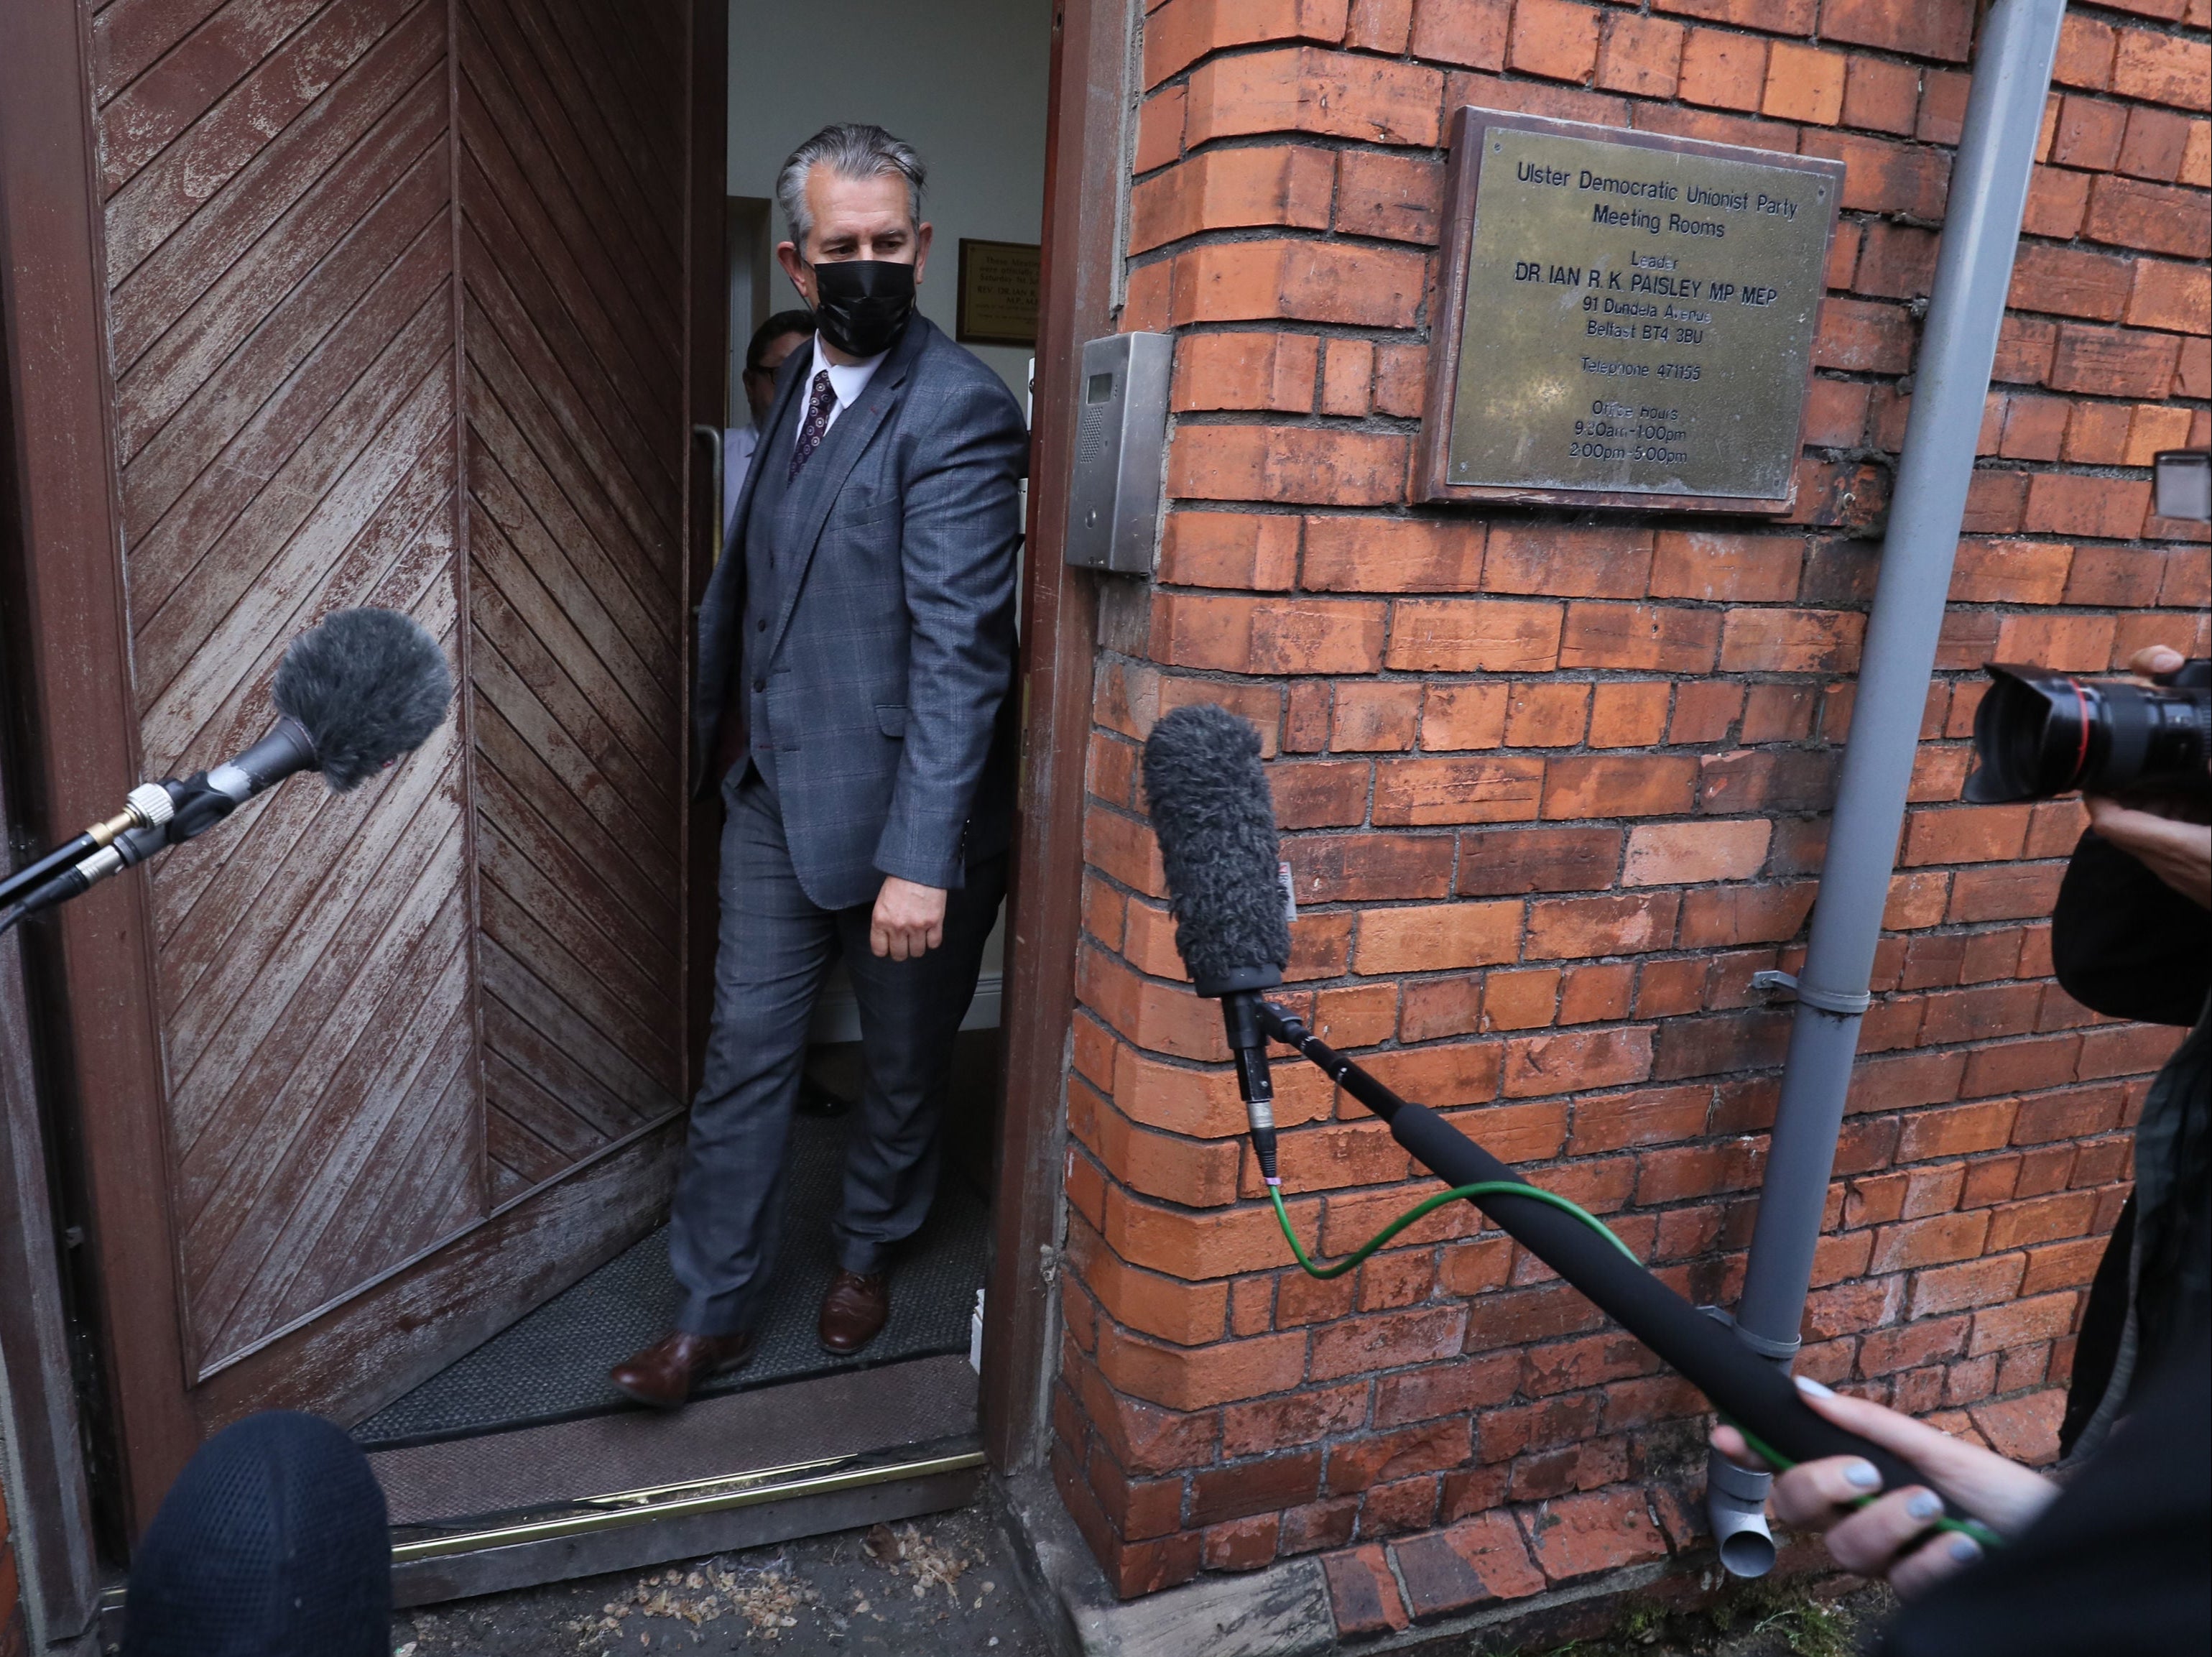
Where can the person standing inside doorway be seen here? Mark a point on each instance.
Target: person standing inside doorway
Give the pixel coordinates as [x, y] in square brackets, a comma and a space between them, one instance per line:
[856, 650]
[772, 342]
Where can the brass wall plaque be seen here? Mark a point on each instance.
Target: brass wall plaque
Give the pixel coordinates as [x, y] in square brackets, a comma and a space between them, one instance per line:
[1626, 319]
[999, 284]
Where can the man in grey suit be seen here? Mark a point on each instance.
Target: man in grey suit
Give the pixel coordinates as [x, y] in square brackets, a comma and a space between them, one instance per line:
[856, 648]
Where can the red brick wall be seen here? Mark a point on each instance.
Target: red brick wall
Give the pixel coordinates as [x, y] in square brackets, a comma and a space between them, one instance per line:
[11, 1591]
[1554, 790]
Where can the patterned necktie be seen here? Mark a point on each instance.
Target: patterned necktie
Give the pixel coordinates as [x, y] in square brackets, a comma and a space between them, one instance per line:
[819, 401]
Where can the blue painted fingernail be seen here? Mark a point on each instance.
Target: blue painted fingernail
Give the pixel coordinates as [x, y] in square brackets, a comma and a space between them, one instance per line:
[1807, 1384]
[1861, 1473]
[1923, 1506]
[1966, 1550]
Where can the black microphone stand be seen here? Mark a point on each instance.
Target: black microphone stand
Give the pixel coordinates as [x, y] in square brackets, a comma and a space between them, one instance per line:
[1745, 1388]
[147, 805]
[160, 815]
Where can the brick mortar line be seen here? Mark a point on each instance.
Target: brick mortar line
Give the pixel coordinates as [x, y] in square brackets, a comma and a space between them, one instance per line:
[2026, 609]
[1337, 831]
[1657, 1211]
[1229, 234]
[1737, 1197]
[1569, 1161]
[1716, 1078]
[1472, 1300]
[1410, 426]
[1422, 336]
[1655, 1023]
[1819, 539]
[1652, 1023]
[1423, 333]
[1531, 1288]
[1234, 235]
[1506, 73]
[1378, 424]
[1339, 145]
[1366, 1433]
[2178, 26]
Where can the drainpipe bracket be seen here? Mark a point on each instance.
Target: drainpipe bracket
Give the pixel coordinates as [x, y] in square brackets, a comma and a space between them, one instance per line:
[1828, 1000]
[1781, 1352]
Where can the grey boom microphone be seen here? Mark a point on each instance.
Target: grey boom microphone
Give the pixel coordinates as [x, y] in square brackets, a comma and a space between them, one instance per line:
[354, 693]
[1215, 820]
[1216, 823]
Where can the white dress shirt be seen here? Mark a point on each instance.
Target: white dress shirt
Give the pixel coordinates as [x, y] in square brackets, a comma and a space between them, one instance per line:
[847, 382]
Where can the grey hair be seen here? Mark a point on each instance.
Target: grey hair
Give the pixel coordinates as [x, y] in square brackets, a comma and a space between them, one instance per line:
[854, 149]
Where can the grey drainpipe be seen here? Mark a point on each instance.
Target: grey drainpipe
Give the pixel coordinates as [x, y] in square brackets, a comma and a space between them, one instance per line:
[1981, 229]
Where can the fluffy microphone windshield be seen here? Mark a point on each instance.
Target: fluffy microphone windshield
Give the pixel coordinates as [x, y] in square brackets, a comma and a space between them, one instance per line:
[1216, 824]
[369, 686]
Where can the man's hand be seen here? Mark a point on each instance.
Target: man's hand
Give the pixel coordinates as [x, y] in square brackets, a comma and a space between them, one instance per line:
[909, 919]
[2177, 851]
[1893, 1536]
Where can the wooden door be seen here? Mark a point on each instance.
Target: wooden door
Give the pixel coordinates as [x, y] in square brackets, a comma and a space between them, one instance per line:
[395, 302]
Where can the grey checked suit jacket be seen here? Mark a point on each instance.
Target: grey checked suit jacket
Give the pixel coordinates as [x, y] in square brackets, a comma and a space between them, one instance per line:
[889, 659]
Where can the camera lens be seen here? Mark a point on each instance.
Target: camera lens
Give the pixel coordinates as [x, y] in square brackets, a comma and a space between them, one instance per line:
[2038, 734]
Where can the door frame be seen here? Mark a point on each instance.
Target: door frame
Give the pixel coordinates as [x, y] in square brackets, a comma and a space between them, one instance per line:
[42, 1477]
[71, 671]
[1086, 150]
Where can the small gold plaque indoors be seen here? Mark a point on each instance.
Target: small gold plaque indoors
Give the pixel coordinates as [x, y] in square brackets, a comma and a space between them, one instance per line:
[998, 293]
[1627, 319]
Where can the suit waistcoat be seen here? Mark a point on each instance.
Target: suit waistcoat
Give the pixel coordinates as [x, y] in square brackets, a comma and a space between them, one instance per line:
[767, 567]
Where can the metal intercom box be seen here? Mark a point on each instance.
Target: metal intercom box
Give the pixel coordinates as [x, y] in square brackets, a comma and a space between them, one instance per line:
[1121, 428]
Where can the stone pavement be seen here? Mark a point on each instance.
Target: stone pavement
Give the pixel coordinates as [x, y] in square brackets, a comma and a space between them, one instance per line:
[945, 1585]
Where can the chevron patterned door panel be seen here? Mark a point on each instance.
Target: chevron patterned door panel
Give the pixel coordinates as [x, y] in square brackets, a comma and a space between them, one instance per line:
[395, 302]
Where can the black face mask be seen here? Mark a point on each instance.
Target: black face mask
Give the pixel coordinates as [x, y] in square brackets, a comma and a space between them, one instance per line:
[861, 305]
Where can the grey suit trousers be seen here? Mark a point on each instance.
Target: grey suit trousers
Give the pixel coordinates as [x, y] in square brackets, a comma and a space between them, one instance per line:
[775, 946]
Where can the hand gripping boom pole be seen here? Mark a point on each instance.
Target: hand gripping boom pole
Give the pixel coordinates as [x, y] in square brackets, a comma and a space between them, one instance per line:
[1752, 1393]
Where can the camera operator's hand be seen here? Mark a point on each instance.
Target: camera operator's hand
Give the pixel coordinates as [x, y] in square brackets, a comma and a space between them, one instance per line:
[1893, 1536]
[2164, 841]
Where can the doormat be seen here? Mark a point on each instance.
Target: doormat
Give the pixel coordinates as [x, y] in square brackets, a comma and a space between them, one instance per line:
[552, 1365]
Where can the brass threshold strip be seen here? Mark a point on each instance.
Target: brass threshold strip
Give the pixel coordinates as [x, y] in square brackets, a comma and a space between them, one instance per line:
[628, 1508]
[623, 1509]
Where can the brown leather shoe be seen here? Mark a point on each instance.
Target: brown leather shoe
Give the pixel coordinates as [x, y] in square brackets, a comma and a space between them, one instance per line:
[854, 1311]
[663, 1375]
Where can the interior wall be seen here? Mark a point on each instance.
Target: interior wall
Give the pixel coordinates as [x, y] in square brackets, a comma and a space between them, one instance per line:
[963, 81]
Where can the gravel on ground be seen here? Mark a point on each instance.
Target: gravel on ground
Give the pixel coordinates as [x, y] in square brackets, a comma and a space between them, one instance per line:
[944, 1584]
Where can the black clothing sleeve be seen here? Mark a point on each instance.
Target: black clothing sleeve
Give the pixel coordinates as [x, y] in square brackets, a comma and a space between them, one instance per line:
[2116, 1565]
[2124, 943]
[2097, 1348]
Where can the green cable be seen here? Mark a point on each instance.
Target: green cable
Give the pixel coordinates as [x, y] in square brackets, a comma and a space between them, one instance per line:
[1968, 1527]
[1421, 1211]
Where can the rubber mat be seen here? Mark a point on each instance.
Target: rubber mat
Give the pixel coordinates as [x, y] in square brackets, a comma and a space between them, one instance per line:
[552, 1365]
